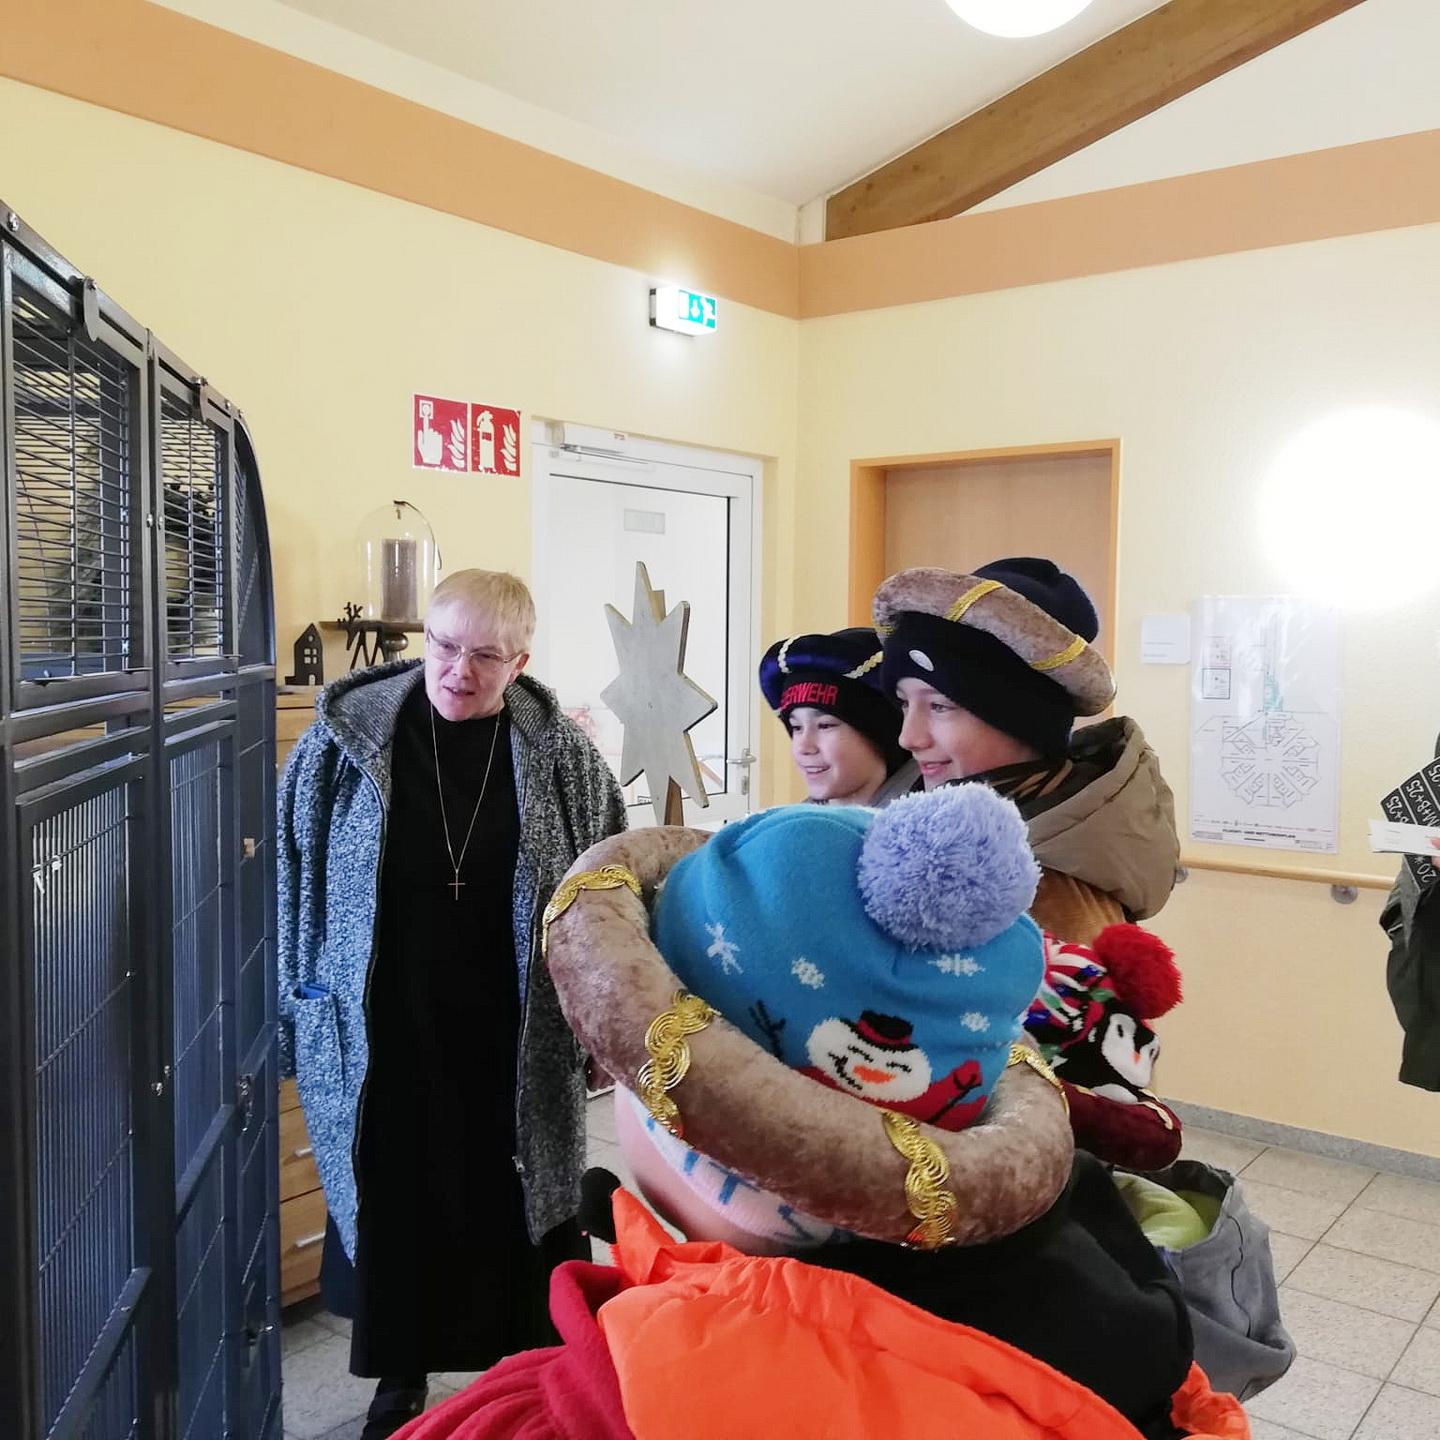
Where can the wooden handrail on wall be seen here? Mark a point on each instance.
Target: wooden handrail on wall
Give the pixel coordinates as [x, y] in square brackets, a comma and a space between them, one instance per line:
[1341, 878]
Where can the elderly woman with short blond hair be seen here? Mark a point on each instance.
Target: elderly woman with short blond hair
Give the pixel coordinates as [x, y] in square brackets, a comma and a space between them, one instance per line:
[425, 819]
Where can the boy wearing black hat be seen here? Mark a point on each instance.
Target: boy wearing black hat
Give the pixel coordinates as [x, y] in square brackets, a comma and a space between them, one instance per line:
[844, 728]
[991, 670]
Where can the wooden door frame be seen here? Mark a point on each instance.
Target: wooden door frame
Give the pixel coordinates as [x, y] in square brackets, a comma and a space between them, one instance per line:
[867, 510]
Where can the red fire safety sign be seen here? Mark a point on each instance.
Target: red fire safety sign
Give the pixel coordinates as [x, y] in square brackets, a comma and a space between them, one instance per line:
[441, 436]
[495, 441]
[461, 437]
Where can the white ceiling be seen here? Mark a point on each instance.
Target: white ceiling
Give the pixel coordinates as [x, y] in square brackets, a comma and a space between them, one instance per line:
[748, 114]
[790, 98]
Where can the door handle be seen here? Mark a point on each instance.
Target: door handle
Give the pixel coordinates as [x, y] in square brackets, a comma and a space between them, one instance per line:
[743, 762]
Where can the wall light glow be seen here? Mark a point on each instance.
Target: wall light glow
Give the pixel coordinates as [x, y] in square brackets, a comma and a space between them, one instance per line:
[1350, 505]
[1016, 18]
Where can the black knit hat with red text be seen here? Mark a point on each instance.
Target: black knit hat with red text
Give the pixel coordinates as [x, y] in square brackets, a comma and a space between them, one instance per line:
[839, 673]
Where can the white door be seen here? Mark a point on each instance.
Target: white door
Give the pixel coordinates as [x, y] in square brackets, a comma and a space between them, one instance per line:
[690, 515]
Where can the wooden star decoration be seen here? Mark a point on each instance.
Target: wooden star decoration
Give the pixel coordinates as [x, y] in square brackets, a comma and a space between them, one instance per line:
[656, 702]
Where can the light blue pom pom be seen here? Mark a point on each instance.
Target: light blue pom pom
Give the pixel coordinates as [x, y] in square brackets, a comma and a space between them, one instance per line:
[947, 870]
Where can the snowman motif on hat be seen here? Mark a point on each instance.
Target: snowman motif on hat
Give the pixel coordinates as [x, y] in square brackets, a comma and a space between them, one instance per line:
[876, 1058]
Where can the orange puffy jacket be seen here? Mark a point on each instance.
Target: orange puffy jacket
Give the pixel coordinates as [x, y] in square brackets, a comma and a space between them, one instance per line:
[715, 1345]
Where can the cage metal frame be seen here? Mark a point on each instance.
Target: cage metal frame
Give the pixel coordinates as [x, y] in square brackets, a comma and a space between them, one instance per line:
[137, 721]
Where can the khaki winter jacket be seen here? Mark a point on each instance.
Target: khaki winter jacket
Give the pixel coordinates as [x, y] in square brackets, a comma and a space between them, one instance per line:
[1104, 833]
[1108, 848]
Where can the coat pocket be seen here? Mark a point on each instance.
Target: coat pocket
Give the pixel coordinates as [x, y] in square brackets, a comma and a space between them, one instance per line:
[319, 1061]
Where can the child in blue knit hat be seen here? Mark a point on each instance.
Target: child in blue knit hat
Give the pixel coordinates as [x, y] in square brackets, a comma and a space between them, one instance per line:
[885, 953]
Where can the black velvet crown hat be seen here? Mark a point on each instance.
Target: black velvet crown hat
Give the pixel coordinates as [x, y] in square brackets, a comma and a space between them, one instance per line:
[840, 673]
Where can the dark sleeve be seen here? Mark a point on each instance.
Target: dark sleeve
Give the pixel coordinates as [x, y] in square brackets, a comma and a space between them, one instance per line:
[1412, 975]
[1097, 1204]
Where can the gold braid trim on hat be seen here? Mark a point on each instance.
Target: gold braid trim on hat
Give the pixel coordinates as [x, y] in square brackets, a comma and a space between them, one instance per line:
[866, 667]
[1073, 651]
[974, 593]
[926, 1197]
[669, 1060]
[977, 592]
[1024, 1055]
[607, 877]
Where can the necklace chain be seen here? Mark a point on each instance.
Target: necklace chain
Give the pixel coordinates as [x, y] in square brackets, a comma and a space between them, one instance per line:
[455, 864]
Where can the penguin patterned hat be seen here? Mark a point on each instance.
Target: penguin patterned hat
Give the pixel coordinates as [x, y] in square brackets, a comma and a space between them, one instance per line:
[885, 953]
[1092, 1017]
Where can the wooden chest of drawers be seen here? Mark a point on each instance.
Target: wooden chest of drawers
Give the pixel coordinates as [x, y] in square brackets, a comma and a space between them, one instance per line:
[294, 714]
[302, 1203]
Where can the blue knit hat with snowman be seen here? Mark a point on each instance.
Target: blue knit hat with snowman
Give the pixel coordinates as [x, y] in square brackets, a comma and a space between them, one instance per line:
[886, 953]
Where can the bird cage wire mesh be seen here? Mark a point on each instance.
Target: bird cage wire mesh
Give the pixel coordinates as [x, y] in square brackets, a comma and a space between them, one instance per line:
[139, 1173]
[72, 512]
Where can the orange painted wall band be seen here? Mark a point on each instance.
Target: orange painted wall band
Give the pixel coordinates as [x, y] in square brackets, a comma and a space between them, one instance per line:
[1348, 190]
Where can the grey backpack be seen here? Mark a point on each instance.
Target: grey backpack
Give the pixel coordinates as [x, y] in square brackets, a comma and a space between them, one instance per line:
[1228, 1280]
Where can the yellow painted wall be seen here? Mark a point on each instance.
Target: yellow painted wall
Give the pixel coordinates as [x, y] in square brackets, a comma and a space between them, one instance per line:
[319, 307]
[1203, 369]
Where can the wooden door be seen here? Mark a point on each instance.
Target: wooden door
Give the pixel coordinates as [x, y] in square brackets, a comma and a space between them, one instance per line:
[959, 514]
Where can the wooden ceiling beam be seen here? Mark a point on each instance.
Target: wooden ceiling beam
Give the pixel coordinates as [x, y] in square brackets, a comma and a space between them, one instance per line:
[1127, 75]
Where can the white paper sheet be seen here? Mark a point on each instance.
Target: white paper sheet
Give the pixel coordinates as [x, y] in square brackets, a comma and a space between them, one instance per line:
[1265, 724]
[1392, 837]
[1165, 639]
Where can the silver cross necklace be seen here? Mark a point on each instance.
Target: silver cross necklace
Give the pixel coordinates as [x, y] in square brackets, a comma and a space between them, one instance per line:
[457, 884]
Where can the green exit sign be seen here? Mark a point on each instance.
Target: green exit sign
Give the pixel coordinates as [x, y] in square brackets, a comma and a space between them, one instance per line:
[688, 312]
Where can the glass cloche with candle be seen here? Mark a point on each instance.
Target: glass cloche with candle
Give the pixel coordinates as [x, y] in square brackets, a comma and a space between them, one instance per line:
[399, 563]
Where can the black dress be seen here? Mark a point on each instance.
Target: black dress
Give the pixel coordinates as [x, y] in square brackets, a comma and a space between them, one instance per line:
[445, 1276]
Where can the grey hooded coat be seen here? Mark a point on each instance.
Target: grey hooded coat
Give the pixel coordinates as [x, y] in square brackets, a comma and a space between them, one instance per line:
[334, 799]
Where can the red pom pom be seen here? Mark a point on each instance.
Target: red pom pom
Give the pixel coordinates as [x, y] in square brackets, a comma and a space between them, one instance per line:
[1141, 969]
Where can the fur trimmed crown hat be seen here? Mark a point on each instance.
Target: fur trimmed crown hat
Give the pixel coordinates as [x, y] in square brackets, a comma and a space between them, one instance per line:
[1012, 643]
[839, 673]
[884, 953]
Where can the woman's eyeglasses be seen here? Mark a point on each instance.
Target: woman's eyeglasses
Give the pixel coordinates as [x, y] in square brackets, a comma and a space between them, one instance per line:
[453, 654]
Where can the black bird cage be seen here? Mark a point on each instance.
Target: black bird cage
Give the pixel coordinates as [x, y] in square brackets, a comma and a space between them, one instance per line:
[139, 1261]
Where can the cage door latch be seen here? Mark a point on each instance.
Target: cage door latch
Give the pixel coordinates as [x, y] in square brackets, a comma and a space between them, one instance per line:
[245, 1100]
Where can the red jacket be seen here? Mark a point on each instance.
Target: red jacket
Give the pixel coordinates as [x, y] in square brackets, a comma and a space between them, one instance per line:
[698, 1340]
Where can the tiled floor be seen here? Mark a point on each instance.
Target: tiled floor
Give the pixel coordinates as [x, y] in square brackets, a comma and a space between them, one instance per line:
[323, 1401]
[1357, 1254]
[1358, 1257]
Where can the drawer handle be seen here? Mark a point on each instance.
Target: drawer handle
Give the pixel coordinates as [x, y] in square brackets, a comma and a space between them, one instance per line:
[302, 1152]
[306, 1241]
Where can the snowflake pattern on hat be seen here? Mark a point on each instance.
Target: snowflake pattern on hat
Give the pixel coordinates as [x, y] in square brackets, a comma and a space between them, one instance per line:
[723, 950]
[808, 973]
[958, 964]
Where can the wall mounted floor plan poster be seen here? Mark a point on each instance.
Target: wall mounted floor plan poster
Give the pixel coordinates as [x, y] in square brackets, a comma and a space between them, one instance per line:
[1265, 723]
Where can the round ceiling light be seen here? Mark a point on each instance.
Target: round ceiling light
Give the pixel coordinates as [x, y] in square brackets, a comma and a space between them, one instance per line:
[1016, 18]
